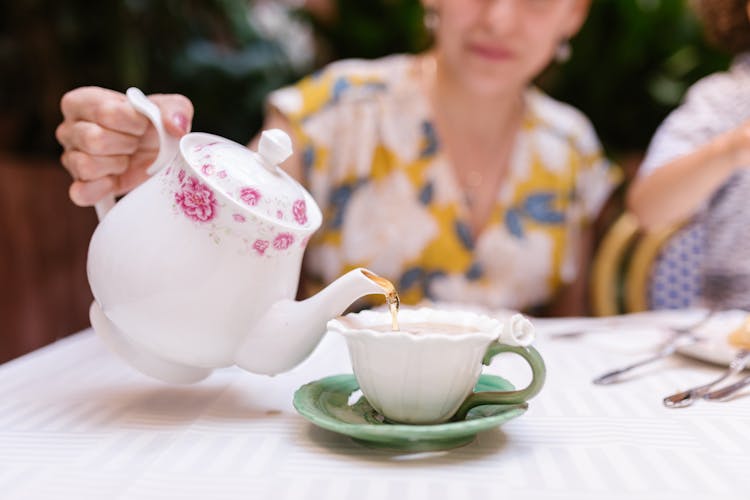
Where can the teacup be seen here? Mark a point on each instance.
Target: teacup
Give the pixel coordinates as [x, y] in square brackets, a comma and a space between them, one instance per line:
[425, 373]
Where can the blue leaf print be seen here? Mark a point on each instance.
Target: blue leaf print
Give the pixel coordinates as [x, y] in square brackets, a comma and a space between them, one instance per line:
[427, 284]
[431, 140]
[425, 195]
[513, 223]
[411, 277]
[537, 206]
[474, 272]
[339, 86]
[464, 234]
[339, 199]
[308, 159]
[375, 86]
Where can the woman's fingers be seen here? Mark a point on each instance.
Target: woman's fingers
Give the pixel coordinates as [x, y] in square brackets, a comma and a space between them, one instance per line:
[86, 167]
[93, 139]
[176, 111]
[114, 119]
[135, 175]
[87, 193]
[108, 144]
[100, 122]
[91, 184]
[107, 108]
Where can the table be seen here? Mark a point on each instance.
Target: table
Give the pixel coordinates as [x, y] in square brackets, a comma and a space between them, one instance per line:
[76, 422]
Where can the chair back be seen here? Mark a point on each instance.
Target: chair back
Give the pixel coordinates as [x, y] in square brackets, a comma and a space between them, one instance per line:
[635, 271]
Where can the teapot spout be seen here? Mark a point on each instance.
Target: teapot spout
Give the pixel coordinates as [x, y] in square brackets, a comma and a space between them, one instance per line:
[290, 330]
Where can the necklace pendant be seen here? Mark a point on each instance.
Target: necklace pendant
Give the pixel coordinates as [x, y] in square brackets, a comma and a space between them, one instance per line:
[474, 180]
[469, 200]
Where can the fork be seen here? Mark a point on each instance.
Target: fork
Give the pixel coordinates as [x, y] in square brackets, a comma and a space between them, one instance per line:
[688, 397]
[725, 393]
[669, 348]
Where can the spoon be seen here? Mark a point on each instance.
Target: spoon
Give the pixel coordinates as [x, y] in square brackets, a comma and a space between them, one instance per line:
[739, 338]
[688, 397]
[725, 393]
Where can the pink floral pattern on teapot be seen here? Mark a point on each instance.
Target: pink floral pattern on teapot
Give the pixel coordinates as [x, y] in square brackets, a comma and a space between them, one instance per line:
[299, 209]
[250, 196]
[197, 201]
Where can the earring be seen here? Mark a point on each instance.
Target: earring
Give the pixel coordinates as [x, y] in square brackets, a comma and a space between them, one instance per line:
[431, 19]
[563, 51]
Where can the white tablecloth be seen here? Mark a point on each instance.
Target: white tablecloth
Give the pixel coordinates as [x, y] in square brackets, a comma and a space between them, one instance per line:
[76, 422]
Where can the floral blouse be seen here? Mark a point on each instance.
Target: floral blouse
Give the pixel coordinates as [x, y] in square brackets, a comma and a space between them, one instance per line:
[391, 202]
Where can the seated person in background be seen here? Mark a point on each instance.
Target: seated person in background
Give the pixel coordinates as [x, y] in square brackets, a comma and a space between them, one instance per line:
[446, 172]
[695, 169]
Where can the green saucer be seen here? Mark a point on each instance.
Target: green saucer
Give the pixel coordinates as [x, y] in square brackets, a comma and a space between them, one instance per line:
[325, 403]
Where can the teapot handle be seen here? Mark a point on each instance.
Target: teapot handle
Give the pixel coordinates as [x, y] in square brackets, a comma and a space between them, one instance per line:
[168, 144]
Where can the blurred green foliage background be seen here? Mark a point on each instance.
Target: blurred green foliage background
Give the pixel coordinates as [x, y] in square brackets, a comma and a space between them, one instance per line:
[631, 63]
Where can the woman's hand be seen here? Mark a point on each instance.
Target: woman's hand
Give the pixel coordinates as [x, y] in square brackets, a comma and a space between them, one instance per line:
[108, 144]
[738, 146]
[678, 189]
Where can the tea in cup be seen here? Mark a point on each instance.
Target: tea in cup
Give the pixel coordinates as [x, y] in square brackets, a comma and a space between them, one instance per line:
[425, 372]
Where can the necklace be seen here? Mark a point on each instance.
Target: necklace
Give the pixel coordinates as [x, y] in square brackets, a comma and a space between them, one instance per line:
[479, 161]
[471, 183]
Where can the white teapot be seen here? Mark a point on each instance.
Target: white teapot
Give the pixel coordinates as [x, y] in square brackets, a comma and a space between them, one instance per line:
[198, 267]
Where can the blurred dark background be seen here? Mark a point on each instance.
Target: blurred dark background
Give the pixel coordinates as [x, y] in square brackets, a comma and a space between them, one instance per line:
[630, 66]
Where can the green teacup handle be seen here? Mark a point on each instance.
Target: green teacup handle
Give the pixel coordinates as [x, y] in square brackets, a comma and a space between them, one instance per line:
[538, 372]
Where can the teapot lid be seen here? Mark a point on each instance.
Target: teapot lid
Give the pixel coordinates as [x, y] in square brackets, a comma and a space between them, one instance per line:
[254, 181]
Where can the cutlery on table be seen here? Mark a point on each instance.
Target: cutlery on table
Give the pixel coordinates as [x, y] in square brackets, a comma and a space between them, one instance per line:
[688, 397]
[739, 338]
[680, 336]
[727, 392]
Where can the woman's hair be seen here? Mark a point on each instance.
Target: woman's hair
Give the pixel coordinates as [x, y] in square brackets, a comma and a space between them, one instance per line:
[726, 23]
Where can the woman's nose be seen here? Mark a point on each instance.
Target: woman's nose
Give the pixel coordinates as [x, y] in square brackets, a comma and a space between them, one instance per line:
[502, 15]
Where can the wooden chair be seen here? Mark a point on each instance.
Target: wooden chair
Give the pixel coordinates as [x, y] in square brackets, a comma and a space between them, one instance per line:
[622, 265]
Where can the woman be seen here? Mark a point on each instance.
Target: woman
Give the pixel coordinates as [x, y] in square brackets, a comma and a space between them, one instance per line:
[695, 172]
[446, 172]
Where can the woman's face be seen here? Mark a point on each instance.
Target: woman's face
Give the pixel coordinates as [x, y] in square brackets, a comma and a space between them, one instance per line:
[495, 46]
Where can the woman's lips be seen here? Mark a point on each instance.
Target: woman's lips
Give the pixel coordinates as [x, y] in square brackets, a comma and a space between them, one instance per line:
[490, 52]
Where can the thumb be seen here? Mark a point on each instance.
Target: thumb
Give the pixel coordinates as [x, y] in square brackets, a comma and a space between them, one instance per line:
[176, 111]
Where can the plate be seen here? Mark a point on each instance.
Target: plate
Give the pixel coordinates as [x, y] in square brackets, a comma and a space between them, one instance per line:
[325, 403]
[714, 347]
